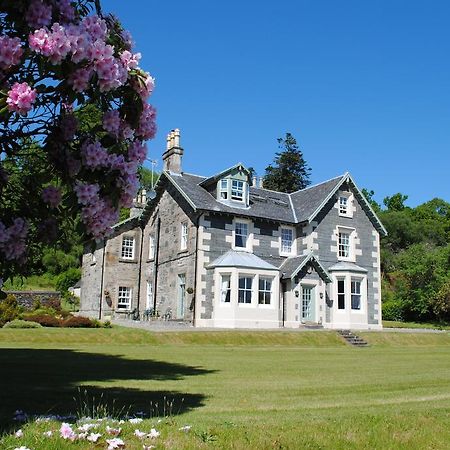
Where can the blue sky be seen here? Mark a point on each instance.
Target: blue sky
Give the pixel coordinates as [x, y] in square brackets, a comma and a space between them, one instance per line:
[363, 86]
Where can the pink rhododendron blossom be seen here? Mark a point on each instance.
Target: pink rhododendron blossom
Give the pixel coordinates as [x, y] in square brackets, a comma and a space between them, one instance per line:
[73, 165]
[112, 122]
[80, 79]
[95, 27]
[66, 10]
[130, 60]
[137, 151]
[127, 38]
[69, 126]
[66, 432]
[10, 51]
[86, 193]
[115, 443]
[144, 87]
[12, 245]
[52, 196]
[94, 155]
[126, 132]
[21, 98]
[38, 14]
[147, 125]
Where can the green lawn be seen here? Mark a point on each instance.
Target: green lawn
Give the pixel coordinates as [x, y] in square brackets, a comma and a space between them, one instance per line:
[238, 390]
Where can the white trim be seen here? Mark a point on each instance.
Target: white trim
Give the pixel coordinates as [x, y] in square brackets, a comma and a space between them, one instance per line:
[249, 242]
[129, 296]
[126, 247]
[293, 251]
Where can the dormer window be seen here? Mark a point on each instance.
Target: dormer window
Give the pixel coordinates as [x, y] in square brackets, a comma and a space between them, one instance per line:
[237, 190]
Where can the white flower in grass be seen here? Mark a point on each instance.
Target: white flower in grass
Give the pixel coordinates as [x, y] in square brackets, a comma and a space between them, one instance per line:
[22, 448]
[18, 434]
[48, 433]
[113, 431]
[87, 426]
[140, 434]
[135, 420]
[186, 428]
[148, 447]
[115, 443]
[93, 437]
[153, 433]
[82, 435]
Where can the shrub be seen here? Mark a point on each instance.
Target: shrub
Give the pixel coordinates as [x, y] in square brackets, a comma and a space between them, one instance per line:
[17, 323]
[393, 310]
[67, 279]
[9, 309]
[45, 320]
[80, 322]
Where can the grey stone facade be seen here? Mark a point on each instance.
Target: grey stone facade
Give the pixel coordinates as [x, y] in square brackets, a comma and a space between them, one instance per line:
[181, 232]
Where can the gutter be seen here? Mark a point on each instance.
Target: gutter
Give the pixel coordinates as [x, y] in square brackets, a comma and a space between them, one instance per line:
[195, 270]
[102, 280]
[155, 274]
[140, 269]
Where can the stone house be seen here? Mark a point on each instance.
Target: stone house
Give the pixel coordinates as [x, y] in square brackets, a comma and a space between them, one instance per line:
[220, 251]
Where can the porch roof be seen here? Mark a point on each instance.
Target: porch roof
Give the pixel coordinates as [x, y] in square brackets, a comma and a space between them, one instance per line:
[345, 266]
[292, 266]
[234, 258]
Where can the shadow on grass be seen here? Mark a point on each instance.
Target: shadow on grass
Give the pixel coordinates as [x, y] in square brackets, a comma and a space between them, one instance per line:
[47, 382]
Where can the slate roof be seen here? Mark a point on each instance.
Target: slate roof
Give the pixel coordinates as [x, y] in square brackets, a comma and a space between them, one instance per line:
[298, 207]
[292, 266]
[234, 258]
[346, 267]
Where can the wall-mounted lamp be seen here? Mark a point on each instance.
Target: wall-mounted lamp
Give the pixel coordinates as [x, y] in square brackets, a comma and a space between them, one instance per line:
[297, 293]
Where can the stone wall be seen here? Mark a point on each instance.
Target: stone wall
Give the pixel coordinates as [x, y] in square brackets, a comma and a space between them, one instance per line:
[28, 299]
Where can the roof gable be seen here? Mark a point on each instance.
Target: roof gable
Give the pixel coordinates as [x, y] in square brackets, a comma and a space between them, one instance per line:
[238, 170]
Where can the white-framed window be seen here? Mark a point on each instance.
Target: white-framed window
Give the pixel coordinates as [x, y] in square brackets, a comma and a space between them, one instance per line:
[151, 247]
[343, 205]
[240, 234]
[124, 298]
[356, 293]
[245, 289]
[225, 288]
[127, 251]
[341, 293]
[223, 189]
[265, 291]
[184, 236]
[237, 190]
[344, 244]
[287, 241]
[149, 302]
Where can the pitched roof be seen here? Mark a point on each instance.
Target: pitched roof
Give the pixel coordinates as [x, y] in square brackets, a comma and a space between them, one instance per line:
[346, 266]
[292, 266]
[234, 258]
[298, 207]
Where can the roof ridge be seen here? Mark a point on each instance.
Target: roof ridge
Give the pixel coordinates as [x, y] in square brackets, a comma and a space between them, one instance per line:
[318, 184]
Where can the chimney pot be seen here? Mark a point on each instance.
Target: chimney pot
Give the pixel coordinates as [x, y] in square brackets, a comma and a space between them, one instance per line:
[174, 153]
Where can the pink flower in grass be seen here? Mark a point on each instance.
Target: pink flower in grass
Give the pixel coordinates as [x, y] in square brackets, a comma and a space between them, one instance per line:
[21, 98]
[115, 443]
[10, 51]
[52, 196]
[39, 14]
[66, 432]
[93, 437]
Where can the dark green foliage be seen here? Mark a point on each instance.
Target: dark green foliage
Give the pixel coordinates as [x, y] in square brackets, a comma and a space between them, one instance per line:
[68, 279]
[9, 309]
[290, 171]
[415, 260]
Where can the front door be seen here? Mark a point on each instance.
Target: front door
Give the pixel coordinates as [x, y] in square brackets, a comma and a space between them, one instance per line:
[181, 295]
[308, 304]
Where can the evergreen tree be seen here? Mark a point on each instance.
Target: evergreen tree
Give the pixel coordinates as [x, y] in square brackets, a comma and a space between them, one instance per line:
[290, 171]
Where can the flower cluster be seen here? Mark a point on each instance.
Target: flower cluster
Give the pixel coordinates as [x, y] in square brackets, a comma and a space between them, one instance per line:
[10, 52]
[21, 98]
[39, 14]
[52, 196]
[12, 240]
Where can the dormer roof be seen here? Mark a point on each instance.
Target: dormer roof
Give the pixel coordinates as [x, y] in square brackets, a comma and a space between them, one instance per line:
[213, 179]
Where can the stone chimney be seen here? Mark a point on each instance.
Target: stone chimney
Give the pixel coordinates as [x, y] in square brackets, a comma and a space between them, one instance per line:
[173, 154]
[138, 203]
[255, 181]
[261, 182]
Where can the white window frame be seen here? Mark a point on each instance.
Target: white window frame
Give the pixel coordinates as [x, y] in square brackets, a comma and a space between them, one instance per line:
[124, 292]
[149, 299]
[248, 243]
[246, 289]
[283, 250]
[265, 292]
[151, 247]
[350, 232]
[345, 204]
[222, 189]
[127, 249]
[356, 295]
[344, 244]
[184, 236]
[237, 187]
[341, 293]
[225, 290]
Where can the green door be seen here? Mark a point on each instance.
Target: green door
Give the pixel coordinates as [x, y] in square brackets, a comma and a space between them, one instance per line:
[308, 304]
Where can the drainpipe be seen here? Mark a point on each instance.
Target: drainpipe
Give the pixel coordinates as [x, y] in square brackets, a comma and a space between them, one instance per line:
[155, 275]
[284, 290]
[140, 269]
[102, 280]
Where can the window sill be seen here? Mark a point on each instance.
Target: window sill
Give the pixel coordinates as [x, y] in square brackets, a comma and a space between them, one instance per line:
[150, 260]
[124, 260]
[183, 251]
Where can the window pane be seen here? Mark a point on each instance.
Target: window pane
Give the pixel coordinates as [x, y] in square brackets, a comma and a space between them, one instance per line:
[225, 289]
[286, 240]
[341, 294]
[241, 232]
[127, 251]
[237, 190]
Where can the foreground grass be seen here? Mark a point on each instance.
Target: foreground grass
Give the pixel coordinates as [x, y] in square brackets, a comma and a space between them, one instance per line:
[237, 389]
[393, 324]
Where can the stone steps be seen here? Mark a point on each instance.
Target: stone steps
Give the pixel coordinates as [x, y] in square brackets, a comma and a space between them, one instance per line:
[353, 339]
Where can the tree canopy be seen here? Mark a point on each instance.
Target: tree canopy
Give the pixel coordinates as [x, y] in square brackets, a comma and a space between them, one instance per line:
[290, 171]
